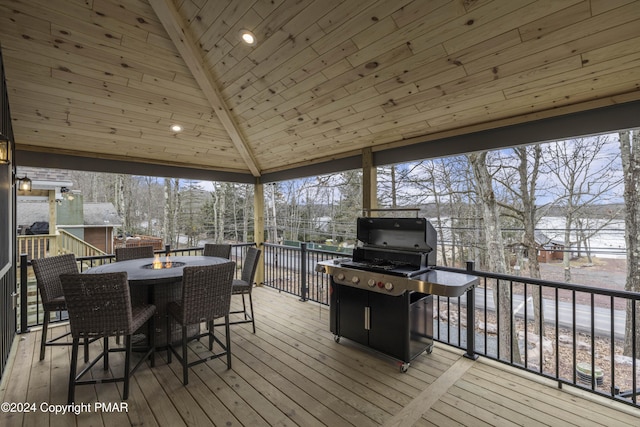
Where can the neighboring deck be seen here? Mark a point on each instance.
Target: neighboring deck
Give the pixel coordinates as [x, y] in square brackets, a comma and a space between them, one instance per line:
[291, 372]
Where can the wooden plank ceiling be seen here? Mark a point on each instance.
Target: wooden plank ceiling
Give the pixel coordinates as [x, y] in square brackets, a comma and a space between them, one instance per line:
[327, 78]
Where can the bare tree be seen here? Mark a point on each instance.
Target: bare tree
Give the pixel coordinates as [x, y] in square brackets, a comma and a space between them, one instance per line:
[519, 179]
[151, 202]
[233, 233]
[247, 212]
[630, 153]
[92, 185]
[584, 173]
[342, 194]
[430, 183]
[394, 196]
[292, 220]
[177, 203]
[226, 192]
[171, 208]
[434, 182]
[191, 213]
[274, 193]
[225, 211]
[215, 213]
[441, 188]
[495, 254]
[122, 198]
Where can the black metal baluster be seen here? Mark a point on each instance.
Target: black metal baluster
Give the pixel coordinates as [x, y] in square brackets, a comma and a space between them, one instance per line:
[512, 320]
[593, 344]
[557, 337]
[526, 335]
[613, 348]
[486, 334]
[303, 271]
[573, 303]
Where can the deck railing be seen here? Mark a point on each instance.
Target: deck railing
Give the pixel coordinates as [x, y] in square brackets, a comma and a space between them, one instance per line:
[582, 340]
[42, 245]
[292, 270]
[38, 245]
[583, 328]
[30, 312]
[583, 331]
[70, 244]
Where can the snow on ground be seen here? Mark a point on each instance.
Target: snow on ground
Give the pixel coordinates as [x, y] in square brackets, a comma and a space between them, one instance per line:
[606, 241]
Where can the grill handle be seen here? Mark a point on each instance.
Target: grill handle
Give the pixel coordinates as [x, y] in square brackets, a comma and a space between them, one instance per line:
[367, 211]
[367, 318]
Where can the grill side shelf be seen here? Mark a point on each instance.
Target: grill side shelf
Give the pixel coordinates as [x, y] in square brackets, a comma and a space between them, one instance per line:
[443, 283]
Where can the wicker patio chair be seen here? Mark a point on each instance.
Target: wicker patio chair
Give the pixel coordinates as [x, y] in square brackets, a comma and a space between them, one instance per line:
[206, 296]
[244, 285]
[220, 250]
[99, 306]
[134, 252]
[47, 272]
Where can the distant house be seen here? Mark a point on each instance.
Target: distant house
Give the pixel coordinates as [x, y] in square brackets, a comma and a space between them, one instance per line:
[321, 223]
[548, 249]
[52, 201]
[96, 227]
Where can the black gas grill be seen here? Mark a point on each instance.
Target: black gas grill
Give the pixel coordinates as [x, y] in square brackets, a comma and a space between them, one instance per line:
[381, 298]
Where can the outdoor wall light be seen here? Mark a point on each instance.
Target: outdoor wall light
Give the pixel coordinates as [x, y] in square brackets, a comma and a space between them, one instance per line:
[4, 151]
[24, 184]
[66, 193]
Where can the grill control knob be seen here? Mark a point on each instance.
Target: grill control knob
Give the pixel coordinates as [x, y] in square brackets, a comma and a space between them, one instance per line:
[388, 286]
[371, 283]
[340, 276]
[355, 279]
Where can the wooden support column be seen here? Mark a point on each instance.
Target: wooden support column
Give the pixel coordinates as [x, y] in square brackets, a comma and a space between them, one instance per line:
[369, 182]
[258, 226]
[53, 221]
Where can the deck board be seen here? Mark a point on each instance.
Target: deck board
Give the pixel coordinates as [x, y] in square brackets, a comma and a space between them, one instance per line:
[292, 372]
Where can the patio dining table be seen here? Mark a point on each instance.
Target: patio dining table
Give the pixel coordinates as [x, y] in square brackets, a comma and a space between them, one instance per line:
[157, 286]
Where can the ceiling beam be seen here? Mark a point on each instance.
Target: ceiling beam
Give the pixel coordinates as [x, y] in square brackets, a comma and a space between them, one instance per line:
[174, 24]
[48, 160]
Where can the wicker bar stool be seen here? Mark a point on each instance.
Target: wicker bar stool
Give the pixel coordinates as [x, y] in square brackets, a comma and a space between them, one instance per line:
[47, 272]
[134, 252]
[99, 306]
[244, 285]
[206, 296]
[221, 250]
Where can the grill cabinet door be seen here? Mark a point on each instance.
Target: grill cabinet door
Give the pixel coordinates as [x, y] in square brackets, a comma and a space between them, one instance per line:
[389, 319]
[352, 308]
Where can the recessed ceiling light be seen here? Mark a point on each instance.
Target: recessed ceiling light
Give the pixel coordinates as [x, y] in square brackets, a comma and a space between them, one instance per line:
[176, 128]
[248, 37]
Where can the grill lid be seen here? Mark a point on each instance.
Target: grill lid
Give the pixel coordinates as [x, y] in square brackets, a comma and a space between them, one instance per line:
[415, 234]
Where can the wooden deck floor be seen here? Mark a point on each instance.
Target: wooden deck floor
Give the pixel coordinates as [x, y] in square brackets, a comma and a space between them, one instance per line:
[291, 372]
